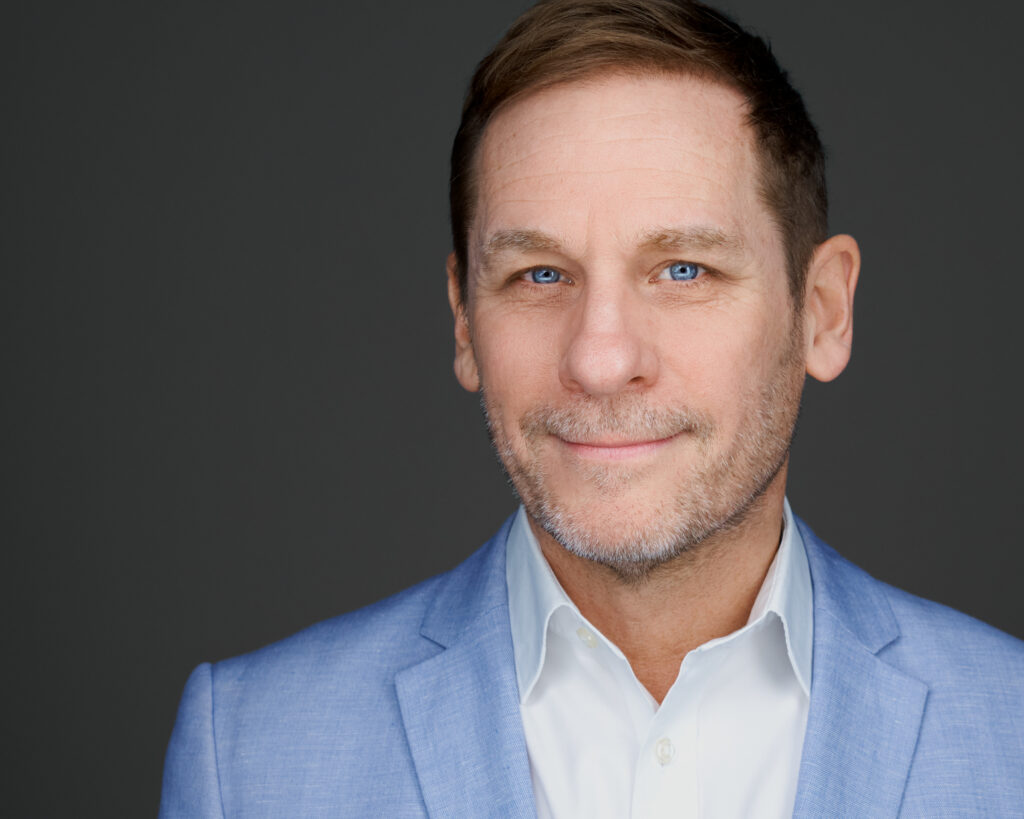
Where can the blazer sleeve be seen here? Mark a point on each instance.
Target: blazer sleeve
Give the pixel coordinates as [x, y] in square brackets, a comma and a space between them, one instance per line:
[191, 785]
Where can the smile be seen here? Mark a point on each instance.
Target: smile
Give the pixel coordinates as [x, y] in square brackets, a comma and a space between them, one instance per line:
[615, 450]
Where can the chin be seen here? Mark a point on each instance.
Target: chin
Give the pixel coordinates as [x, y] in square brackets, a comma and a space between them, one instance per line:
[631, 529]
[626, 534]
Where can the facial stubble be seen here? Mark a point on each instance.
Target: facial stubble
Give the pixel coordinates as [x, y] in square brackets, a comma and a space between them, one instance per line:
[715, 498]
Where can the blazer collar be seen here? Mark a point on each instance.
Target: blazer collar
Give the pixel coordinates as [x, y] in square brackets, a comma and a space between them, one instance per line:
[462, 718]
[461, 706]
[865, 715]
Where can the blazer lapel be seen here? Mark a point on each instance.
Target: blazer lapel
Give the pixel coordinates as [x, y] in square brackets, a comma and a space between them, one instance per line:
[461, 707]
[865, 715]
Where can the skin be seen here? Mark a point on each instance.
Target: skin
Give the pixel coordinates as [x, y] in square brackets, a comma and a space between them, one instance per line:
[644, 421]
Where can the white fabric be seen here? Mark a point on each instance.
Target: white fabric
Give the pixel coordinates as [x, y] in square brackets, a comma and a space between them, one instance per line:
[726, 740]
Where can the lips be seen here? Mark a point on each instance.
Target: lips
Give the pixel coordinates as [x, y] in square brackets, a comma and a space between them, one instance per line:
[616, 449]
[620, 429]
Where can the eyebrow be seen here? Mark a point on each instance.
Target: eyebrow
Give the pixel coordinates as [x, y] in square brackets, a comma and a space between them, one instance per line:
[693, 238]
[698, 238]
[520, 240]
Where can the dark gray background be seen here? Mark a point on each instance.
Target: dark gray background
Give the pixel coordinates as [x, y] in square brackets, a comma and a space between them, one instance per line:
[228, 408]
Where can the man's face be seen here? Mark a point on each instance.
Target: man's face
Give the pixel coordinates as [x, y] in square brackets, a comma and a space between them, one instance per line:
[629, 319]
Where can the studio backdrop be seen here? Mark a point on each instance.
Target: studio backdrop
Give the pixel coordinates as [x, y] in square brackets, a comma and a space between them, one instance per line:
[228, 404]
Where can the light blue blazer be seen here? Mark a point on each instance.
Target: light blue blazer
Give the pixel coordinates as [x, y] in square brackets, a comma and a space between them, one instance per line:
[409, 708]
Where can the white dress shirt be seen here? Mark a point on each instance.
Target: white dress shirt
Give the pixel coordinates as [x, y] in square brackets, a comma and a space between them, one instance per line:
[727, 738]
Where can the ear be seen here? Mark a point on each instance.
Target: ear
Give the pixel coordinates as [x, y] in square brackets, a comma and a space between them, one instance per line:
[828, 306]
[465, 361]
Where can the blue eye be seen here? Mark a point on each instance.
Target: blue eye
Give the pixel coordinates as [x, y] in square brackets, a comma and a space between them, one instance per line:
[544, 275]
[683, 271]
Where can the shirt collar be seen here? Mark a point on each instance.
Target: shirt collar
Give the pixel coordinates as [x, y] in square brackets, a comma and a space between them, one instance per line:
[786, 592]
[534, 594]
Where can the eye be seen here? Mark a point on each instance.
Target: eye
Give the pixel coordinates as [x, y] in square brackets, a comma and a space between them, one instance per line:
[544, 275]
[681, 271]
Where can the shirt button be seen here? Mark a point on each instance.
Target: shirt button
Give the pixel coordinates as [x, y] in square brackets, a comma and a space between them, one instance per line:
[586, 637]
[664, 750]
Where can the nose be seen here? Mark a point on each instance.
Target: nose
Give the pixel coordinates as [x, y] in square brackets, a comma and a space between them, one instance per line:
[610, 347]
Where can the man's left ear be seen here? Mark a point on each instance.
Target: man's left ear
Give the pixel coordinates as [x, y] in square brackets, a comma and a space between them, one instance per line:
[465, 367]
[828, 306]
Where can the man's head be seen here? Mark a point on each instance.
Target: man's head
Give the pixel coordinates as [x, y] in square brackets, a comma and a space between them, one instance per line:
[625, 295]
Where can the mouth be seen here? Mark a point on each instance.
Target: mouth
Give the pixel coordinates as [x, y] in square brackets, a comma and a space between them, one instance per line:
[612, 449]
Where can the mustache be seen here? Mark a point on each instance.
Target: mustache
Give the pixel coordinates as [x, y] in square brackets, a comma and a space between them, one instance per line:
[630, 417]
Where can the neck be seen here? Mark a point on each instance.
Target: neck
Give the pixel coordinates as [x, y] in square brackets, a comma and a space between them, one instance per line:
[704, 593]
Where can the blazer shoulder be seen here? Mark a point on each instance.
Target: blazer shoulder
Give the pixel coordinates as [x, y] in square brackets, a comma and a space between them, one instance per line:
[382, 638]
[972, 731]
[940, 646]
[379, 634]
[303, 725]
[952, 645]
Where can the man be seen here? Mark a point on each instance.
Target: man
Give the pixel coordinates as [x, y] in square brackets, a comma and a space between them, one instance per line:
[641, 277]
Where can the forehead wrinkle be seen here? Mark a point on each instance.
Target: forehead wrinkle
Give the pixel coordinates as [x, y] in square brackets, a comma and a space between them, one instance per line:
[540, 122]
[497, 180]
[496, 184]
[515, 125]
[495, 187]
[569, 150]
[556, 127]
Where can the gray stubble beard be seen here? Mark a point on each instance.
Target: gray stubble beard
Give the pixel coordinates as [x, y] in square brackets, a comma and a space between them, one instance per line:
[717, 499]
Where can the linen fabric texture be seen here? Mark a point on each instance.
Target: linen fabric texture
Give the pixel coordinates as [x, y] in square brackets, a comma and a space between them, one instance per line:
[410, 708]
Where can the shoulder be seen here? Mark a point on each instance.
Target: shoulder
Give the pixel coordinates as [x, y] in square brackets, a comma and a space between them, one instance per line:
[375, 637]
[323, 702]
[972, 725]
[970, 745]
[349, 656]
[944, 648]
[948, 649]
[970, 676]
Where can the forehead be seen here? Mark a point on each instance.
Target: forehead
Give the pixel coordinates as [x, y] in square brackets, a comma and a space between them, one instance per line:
[598, 161]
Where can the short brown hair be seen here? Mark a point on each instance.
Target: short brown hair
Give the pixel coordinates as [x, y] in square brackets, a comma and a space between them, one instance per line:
[560, 41]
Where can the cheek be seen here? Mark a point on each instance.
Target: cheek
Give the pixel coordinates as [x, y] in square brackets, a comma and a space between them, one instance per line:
[724, 362]
[515, 364]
